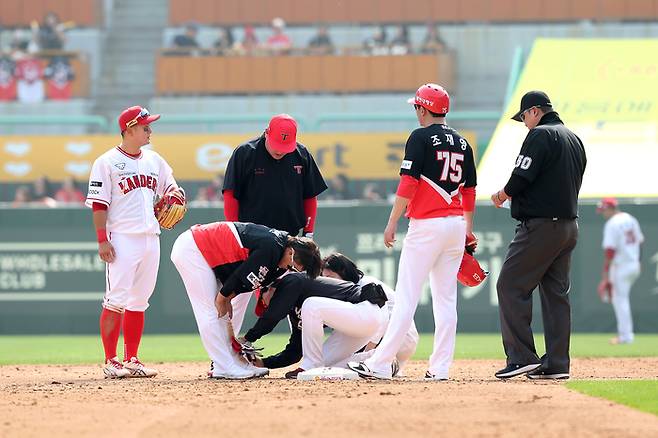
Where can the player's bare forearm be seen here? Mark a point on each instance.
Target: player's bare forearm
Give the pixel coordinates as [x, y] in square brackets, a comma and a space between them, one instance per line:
[399, 207]
[105, 248]
[468, 217]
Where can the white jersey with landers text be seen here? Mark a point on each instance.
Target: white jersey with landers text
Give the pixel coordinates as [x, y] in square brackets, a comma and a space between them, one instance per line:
[128, 185]
[623, 234]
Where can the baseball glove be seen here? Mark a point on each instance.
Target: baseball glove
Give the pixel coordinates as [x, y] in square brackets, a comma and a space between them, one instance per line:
[245, 349]
[171, 208]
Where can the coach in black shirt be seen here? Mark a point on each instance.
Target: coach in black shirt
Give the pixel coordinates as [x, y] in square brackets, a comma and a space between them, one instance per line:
[273, 180]
[543, 189]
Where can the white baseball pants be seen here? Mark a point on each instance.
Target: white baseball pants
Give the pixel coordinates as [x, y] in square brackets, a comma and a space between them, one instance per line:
[130, 278]
[406, 351]
[622, 278]
[202, 288]
[353, 325]
[433, 247]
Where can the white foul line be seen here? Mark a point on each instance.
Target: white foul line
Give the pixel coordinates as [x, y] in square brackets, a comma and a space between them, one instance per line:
[48, 246]
[51, 296]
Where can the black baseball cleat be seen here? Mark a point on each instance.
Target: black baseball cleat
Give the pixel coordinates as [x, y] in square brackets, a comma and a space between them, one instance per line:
[542, 373]
[293, 374]
[514, 370]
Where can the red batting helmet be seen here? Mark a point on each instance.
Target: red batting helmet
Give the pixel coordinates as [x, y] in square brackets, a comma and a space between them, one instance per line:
[432, 97]
[470, 272]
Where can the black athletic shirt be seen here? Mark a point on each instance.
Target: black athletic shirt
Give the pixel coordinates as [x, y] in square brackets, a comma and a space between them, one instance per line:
[272, 192]
[265, 248]
[551, 164]
[291, 291]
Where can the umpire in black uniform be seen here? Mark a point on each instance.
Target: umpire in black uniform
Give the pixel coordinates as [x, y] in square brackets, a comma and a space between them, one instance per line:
[543, 188]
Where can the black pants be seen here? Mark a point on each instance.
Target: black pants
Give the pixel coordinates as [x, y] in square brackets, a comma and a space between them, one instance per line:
[539, 255]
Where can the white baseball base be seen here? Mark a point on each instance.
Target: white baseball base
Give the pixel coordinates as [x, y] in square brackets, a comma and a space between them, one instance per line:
[328, 373]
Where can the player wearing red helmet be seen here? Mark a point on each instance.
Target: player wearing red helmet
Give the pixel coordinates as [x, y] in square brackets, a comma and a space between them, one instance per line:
[437, 190]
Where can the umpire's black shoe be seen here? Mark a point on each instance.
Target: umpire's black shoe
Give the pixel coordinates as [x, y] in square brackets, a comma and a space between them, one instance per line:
[514, 370]
[543, 373]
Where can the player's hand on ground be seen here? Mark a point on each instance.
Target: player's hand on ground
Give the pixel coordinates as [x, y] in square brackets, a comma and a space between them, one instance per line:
[223, 305]
[389, 234]
[106, 252]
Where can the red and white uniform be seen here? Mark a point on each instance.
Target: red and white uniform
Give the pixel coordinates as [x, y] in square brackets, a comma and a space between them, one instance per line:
[623, 235]
[127, 185]
[438, 177]
[226, 258]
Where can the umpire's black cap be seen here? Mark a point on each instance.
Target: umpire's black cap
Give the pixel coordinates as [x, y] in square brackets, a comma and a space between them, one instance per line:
[532, 99]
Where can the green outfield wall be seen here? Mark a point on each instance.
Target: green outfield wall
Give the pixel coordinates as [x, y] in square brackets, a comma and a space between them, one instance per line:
[51, 280]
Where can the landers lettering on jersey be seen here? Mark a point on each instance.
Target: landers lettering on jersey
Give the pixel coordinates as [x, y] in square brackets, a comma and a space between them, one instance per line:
[131, 183]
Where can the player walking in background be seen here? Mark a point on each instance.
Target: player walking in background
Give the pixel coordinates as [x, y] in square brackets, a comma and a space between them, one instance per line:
[272, 180]
[437, 190]
[342, 267]
[622, 242]
[219, 261]
[123, 184]
[544, 188]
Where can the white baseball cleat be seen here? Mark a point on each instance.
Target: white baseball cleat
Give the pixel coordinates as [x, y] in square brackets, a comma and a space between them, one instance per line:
[434, 377]
[113, 369]
[235, 373]
[362, 370]
[137, 369]
[258, 371]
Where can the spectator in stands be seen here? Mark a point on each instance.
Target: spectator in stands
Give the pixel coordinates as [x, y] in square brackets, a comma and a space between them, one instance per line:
[248, 44]
[433, 43]
[49, 35]
[278, 43]
[377, 43]
[59, 76]
[187, 39]
[321, 43]
[41, 191]
[18, 45]
[69, 193]
[213, 191]
[371, 192]
[224, 43]
[338, 188]
[400, 44]
[22, 196]
[7, 79]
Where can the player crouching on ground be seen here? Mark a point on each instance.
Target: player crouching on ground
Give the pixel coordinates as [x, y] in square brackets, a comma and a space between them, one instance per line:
[342, 267]
[123, 183]
[356, 314]
[219, 261]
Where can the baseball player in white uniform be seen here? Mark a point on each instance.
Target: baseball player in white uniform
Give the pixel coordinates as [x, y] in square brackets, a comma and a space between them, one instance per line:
[437, 191]
[342, 267]
[123, 184]
[622, 239]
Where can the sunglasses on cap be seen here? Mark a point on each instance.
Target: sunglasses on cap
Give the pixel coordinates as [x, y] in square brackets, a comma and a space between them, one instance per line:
[144, 113]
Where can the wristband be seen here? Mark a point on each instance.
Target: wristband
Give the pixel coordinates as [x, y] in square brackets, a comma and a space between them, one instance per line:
[101, 235]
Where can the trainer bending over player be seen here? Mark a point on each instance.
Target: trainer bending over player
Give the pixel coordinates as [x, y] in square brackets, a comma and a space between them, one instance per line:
[219, 261]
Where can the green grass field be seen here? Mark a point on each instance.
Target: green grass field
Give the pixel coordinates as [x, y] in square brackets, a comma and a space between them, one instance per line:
[638, 394]
[181, 348]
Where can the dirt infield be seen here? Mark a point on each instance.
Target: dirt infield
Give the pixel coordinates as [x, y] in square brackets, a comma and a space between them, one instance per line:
[77, 401]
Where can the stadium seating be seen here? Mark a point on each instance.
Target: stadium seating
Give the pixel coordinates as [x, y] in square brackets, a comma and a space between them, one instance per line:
[231, 12]
[19, 13]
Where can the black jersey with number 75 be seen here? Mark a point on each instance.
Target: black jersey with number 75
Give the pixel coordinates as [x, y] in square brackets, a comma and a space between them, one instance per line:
[442, 162]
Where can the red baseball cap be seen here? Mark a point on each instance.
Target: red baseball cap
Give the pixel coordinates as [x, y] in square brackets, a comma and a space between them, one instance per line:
[136, 115]
[281, 134]
[606, 203]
